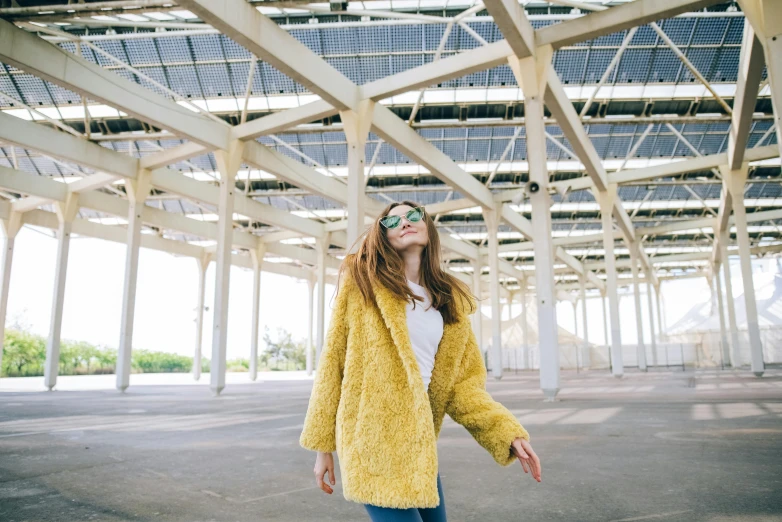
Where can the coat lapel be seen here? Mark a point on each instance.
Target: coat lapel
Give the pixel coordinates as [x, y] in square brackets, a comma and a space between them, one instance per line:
[449, 351]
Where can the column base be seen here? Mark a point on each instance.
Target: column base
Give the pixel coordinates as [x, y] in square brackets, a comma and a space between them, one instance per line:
[759, 374]
[550, 394]
[216, 391]
[619, 375]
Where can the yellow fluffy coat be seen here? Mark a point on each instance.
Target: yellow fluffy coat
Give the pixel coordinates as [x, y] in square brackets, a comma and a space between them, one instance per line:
[369, 403]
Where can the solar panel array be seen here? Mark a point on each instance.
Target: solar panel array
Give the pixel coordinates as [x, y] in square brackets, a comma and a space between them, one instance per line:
[208, 66]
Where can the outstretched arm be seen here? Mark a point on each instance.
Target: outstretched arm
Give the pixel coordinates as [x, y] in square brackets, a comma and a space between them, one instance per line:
[490, 423]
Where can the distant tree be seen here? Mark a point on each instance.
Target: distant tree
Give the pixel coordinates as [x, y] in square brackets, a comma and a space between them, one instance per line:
[106, 359]
[23, 353]
[283, 349]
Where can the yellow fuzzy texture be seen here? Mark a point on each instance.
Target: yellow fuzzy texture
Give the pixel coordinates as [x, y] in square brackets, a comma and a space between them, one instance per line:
[369, 404]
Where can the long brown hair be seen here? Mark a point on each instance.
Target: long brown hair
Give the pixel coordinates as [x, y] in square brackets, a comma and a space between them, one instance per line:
[377, 260]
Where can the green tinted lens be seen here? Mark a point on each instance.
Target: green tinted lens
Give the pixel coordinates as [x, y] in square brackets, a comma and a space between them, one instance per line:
[391, 221]
[414, 215]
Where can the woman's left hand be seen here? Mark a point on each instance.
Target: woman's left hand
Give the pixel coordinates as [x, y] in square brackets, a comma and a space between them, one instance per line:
[529, 460]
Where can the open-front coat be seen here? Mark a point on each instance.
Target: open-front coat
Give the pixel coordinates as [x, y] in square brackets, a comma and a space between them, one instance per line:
[369, 403]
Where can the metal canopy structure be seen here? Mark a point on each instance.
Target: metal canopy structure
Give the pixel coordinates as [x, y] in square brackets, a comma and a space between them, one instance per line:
[565, 146]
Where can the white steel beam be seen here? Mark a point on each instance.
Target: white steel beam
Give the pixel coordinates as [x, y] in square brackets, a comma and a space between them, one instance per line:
[532, 74]
[766, 19]
[137, 191]
[513, 24]
[607, 202]
[203, 264]
[716, 281]
[245, 25]
[492, 219]
[173, 155]
[559, 35]
[9, 227]
[356, 125]
[45, 60]
[62, 146]
[640, 345]
[283, 120]
[750, 70]
[321, 247]
[735, 346]
[614, 19]
[71, 149]
[228, 163]
[256, 255]
[734, 182]
[66, 213]
[396, 132]
[477, 322]
[309, 361]
[665, 170]
[652, 337]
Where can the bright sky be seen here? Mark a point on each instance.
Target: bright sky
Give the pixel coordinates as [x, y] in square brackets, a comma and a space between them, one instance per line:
[166, 298]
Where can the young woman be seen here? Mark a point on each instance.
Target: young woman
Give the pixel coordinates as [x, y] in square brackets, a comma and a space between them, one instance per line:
[399, 354]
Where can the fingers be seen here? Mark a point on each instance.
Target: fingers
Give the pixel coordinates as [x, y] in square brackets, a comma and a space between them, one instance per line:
[321, 484]
[524, 465]
[520, 452]
[538, 467]
[331, 475]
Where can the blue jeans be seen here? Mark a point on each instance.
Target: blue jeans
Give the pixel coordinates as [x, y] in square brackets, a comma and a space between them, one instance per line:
[386, 514]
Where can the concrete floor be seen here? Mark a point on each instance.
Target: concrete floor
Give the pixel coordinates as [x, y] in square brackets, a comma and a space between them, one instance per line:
[662, 446]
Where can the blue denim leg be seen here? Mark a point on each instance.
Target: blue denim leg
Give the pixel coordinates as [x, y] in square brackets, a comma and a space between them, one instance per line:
[386, 514]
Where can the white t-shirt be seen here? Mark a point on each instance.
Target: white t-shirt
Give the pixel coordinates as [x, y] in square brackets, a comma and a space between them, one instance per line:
[425, 325]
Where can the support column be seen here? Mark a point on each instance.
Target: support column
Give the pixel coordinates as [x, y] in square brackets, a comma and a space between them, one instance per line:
[478, 317]
[66, 213]
[585, 355]
[257, 260]
[310, 320]
[640, 347]
[525, 326]
[575, 317]
[9, 228]
[735, 181]
[203, 265]
[765, 17]
[531, 75]
[657, 291]
[607, 200]
[492, 219]
[356, 125]
[321, 247]
[651, 316]
[228, 163]
[724, 346]
[735, 344]
[605, 319]
[137, 191]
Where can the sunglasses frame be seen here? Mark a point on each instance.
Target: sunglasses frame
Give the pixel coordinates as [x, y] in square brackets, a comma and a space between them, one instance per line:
[406, 216]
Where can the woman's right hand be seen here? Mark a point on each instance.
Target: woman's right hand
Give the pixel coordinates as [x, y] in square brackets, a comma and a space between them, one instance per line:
[325, 463]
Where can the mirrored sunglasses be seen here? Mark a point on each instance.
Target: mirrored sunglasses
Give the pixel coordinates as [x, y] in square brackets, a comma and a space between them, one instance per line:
[413, 215]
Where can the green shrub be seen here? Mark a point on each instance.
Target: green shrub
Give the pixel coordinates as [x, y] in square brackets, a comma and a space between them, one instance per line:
[24, 355]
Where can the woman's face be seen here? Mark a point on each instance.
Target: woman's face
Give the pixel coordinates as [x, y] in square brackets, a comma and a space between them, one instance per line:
[407, 235]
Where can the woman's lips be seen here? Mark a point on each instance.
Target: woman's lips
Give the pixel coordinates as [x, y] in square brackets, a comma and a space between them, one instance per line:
[408, 232]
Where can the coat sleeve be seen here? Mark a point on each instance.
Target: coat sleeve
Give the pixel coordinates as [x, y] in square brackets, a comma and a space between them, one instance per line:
[319, 433]
[490, 423]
